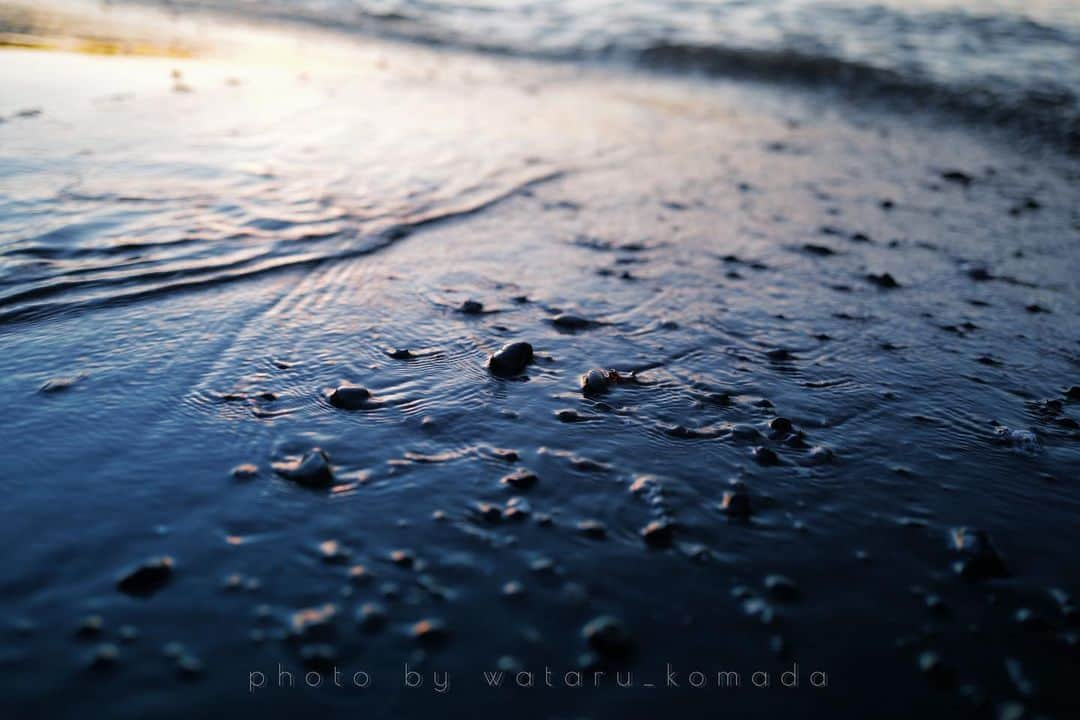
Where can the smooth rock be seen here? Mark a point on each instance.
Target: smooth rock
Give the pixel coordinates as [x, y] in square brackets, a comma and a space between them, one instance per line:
[313, 469]
[520, 480]
[511, 359]
[147, 578]
[979, 558]
[658, 534]
[597, 381]
[350, 397]
[592, 529]
[609, 637]
[782, 588]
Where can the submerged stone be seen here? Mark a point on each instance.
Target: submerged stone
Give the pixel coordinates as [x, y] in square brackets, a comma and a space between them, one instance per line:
[658, 534]
[884, 281]
[520, 480]
[979, 558]
[765, 456]
[782, 588]
[371, 616]
[401, 354]
[566, 321]
[312, 469]
[350, 397]
[147, 578]
[472, 307]
[245, 471]
[510, 359]
[592, 529]
[736, 503]
[597, 381]
[609, 637]
[429, 631]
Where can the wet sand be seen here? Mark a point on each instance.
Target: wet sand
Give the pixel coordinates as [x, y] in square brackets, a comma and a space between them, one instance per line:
[838, 338]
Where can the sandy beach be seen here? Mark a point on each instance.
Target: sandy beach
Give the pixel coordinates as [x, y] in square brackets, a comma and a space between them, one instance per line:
[832, 423]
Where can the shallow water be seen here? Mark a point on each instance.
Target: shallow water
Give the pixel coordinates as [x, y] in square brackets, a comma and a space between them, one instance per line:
[191, 263]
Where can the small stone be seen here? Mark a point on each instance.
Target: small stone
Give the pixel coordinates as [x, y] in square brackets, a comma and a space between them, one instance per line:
[318, 656]
[189, 666]
[979, 558]
[736, 503]
[314, 621]
[360, 575]
[429, 631]
[1073, 393]
[312, 469]
[658, 534]
[520, 480]
[147, 578]
[592, 529]
[765, 456]
[780, 355]
[403, 558]
[401, 354]
[782, 588]
[819, 455]
[513, 590]
[781, 426]
[932, 666]
[608, 636]
[568, 415]
[597, 381]
[566, 321]
[472, 307]
[90, 626]
[104, 656]
[350, 397]
[511, 359]
[488, 512]
[246, 471]
[371, 616]
[884, 281]
[333, 552]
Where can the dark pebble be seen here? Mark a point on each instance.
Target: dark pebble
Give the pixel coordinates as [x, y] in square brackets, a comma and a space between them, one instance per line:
[1073, 393]
[780, 355]
[935, 670]
[350, 397]
[609, 637]
[782, 588]
[821, 250]
[597, 381]
[781, 426]
[90, 626]
[511, 359]
[401, 354]
[247, 471]
[568, 415]
[104, 656]
[1036, 308]
[736, 503]
[403, 558]
[593, 529]
[765, 456]
[371, 616]
[884, 280]
[472, 307]
[147, 578]
[979, 558]
[318, 656]
[429, 631]
[565, 321]
[312, 469]
[658, 534]
[956, 176]
[520, 480]
[980, 274]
